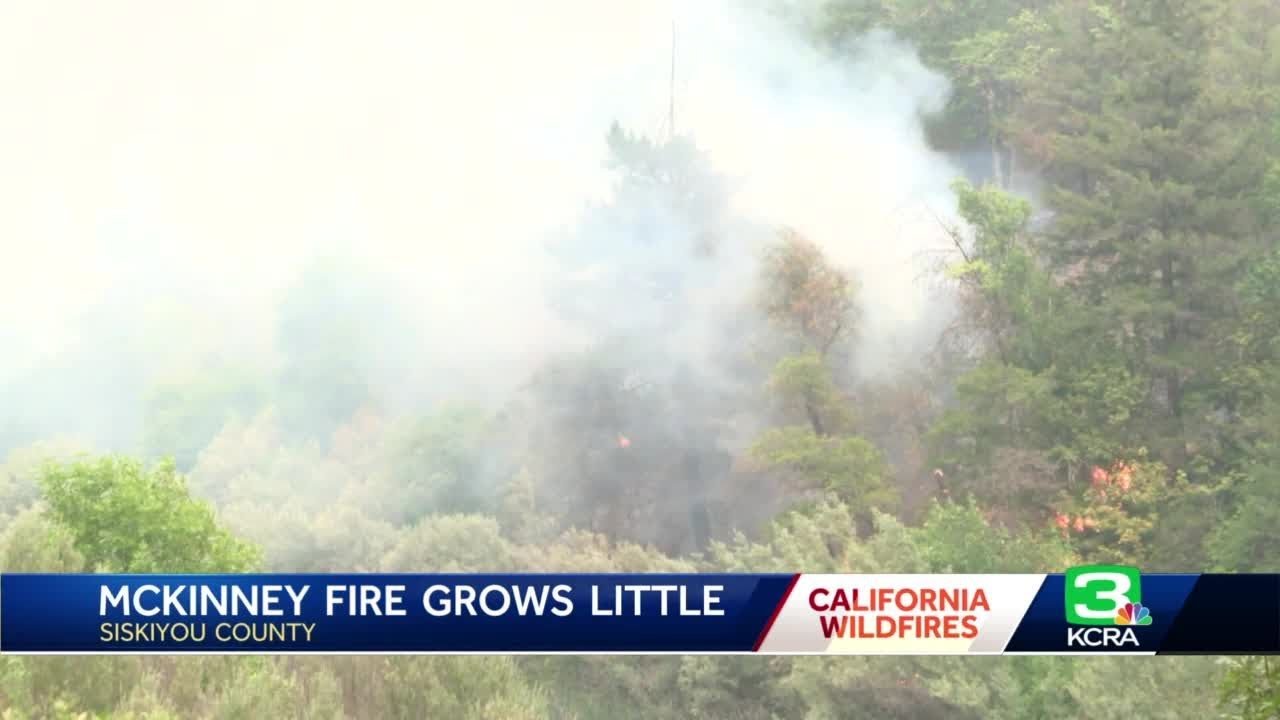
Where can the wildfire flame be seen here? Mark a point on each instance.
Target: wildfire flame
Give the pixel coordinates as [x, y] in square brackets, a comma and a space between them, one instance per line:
[1120, 476]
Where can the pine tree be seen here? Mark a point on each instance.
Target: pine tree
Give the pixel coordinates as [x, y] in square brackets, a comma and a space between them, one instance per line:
[1155, 197]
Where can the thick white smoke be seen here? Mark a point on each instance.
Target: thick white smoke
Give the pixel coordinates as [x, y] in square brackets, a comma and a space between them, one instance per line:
[170, 167]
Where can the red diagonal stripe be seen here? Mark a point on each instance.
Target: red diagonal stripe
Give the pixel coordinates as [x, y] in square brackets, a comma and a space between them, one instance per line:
[776, 611]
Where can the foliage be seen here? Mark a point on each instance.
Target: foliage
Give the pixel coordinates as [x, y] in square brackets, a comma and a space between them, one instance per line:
[806, 295]
[1247, 540]
[125, 517]
[849, 467]
[33, 543]
[20, 472]
[1251, 688]
[803, 383]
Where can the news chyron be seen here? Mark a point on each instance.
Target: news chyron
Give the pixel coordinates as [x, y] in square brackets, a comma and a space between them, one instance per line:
[1095, 609]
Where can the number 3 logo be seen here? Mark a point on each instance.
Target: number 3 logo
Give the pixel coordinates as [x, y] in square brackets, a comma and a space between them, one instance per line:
[1095, 593]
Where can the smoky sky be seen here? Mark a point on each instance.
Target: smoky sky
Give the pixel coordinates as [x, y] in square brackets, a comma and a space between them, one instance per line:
[170, 170]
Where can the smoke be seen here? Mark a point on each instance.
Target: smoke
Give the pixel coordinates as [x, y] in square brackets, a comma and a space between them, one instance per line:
[172, 169]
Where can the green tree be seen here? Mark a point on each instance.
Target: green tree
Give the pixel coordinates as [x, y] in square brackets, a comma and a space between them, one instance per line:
[32, 543]
[125, 517]
[1251, 688]
[1016, 426]
[849, 467]
[803, 384]
[1156, 179]
[20, 472]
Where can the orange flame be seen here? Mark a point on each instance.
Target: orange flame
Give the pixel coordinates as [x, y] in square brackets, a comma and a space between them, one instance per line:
[1124, 476]
[1100, 477]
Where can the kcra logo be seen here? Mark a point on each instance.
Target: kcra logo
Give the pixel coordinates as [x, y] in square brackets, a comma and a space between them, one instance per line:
[1105, 601]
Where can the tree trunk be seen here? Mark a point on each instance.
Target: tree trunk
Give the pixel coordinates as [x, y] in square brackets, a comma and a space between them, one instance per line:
[815, 419]
[997, 161]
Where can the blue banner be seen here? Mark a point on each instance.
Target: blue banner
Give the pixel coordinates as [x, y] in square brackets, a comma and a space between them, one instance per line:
[385, 613]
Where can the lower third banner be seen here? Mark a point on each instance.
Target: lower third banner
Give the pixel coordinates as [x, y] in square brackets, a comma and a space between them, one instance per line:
[1087, 610]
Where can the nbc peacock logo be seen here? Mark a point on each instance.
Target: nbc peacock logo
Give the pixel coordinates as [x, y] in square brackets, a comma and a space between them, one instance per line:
[1133, 614]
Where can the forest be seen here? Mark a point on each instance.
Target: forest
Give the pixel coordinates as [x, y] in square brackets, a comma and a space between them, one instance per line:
[890, 286]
